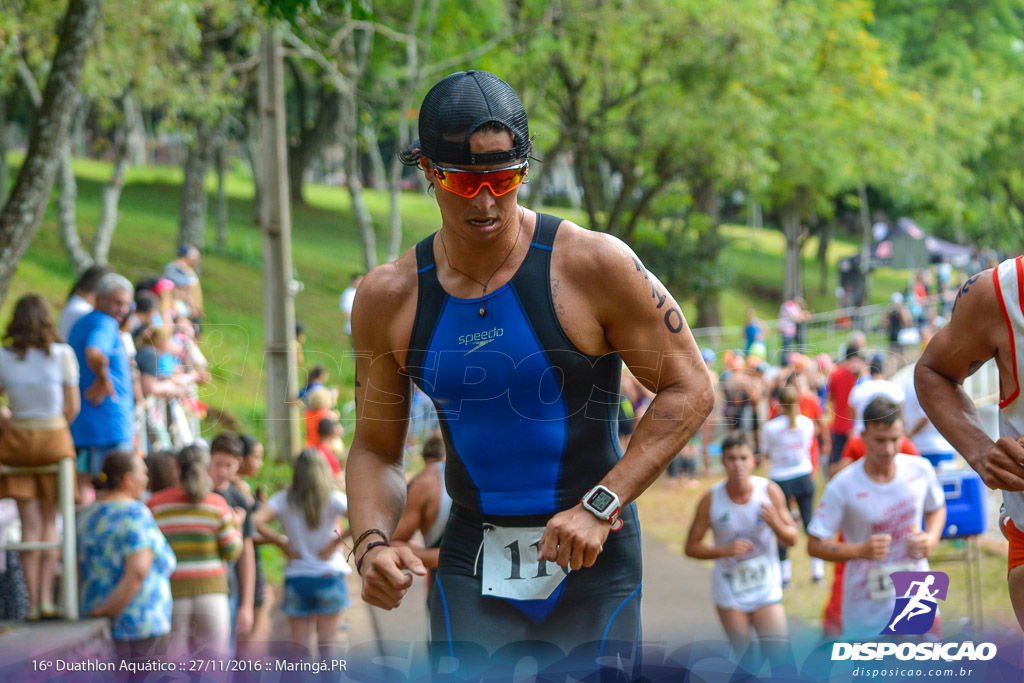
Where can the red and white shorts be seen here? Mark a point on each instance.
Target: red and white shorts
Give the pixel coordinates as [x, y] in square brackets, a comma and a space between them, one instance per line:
[1016, 538]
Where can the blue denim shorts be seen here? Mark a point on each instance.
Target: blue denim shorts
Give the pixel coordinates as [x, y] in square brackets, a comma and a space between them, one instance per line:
[90, 458]
[308, 595]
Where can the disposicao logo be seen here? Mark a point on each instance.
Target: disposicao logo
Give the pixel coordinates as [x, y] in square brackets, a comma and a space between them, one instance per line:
[917, 604]
[917, 601]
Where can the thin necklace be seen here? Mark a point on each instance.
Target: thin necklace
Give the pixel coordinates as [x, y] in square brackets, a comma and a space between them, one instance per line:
[483, 309]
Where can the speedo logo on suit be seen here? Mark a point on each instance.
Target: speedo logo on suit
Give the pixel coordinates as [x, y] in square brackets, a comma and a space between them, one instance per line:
[480, 339]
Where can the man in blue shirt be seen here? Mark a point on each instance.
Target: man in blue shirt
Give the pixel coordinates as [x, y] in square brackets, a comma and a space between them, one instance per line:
[106, 421]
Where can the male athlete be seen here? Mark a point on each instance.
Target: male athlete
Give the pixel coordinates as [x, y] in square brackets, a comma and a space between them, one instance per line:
[427, 508]
[515, 324]
[878, 503]
[987, 322]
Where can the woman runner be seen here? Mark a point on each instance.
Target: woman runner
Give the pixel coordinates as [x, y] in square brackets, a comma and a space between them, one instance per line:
[748, 515]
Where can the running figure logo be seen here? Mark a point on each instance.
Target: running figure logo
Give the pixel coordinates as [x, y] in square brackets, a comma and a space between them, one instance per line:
[917, 596]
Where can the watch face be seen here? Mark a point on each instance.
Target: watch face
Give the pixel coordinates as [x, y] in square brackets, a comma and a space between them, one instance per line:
[600, 500]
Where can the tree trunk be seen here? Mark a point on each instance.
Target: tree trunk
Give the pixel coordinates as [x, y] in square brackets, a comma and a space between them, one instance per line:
[252, 152]
[67, 222]
[192, 218]
[865, 247]
[824, 239]
[377, 169]
[77, 136]
[360, 213]
[312, 140]
[20, 217]
[395, 217]
[590, 179]
[395, 184]
[793, 284]
[112, 190]
[220, 210]
[709, 312]
[5, 171]
[135, 131]
[67, 198]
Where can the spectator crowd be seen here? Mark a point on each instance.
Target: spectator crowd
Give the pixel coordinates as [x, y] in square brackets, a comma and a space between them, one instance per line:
[167, 524]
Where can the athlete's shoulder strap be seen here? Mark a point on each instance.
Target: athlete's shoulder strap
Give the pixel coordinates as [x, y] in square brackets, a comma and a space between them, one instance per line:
[430, 300]
[425, 253]
[544, 234]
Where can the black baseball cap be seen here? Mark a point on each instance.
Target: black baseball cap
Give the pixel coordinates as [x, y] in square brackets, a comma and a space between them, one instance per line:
[456, 107]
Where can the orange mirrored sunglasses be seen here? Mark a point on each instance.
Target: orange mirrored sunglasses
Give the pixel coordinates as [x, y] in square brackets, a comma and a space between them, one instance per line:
[468, 183]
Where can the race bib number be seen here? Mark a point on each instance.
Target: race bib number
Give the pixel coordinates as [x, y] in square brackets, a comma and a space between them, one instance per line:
[750, 575]
[510, 566]
[880, 583]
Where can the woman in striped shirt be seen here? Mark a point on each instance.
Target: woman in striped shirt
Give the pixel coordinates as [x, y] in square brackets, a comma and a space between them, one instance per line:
[204, 534]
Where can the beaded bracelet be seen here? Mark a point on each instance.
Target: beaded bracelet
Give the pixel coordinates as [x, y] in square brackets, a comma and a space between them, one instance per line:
[359, 562]
[362, 537]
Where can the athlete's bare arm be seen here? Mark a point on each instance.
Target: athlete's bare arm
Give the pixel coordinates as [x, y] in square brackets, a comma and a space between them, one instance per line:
[777, 516]
[607, 302]
[420, 512]
[976, 332]
[375, 474]
[830, 550]
[923, 543]
[695, 546]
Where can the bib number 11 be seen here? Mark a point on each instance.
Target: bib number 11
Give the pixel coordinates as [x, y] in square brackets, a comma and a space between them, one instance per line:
[508, 574]
[515, 561]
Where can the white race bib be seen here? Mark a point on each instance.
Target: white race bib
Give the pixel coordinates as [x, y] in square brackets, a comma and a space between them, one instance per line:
[750, 575]
[511, 569]
[880, 583]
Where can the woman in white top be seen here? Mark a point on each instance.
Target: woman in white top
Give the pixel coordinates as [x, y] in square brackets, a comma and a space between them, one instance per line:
[787, 442]
[40, 378]
[314, 579]
[748, 515]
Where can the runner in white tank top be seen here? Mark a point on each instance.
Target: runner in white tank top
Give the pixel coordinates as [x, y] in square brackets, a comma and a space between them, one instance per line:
[748, 515]
[987, 322]
[750, 581]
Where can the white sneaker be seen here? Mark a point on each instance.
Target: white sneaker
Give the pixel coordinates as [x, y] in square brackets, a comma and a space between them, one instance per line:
[817, 570]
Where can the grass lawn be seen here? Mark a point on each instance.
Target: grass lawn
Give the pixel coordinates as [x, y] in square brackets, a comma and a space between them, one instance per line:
[667, 509]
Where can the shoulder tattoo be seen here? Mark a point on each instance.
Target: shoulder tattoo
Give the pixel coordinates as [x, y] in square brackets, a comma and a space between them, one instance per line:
[965, 289]
[556, 284]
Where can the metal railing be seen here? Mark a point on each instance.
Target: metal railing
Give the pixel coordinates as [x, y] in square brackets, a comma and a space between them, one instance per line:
[65, 471]
[822, 332]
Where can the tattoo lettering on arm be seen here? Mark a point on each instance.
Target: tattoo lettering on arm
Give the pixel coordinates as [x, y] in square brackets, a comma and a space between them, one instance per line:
[964, 290]
[673, 316]
[677, 327]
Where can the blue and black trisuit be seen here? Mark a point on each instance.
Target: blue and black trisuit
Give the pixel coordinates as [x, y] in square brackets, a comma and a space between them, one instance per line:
[529, 422]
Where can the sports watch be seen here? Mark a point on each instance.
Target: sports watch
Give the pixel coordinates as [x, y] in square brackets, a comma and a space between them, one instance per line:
[603, 504]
